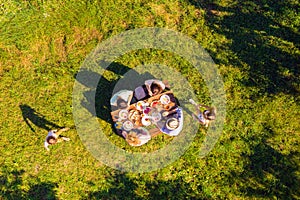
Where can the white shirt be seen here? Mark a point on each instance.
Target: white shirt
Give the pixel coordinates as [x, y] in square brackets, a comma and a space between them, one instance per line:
[50, 133]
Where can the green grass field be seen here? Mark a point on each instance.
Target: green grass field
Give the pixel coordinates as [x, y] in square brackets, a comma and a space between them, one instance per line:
[255, 45]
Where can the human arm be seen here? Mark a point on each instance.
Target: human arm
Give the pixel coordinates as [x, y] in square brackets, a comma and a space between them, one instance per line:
[61, 130]
[204, 106]
[148, 85]
[166, 83]
[46, 144]
[129, 99]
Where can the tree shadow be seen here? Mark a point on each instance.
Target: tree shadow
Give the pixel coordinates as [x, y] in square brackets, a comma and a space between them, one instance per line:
[274, 174]
[11, 183]
[42, 191]
[123, 187]
[31, 115]
[259, 41]
[268, 173]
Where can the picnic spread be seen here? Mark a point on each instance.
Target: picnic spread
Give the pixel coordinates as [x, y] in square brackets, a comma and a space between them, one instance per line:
[148, 117]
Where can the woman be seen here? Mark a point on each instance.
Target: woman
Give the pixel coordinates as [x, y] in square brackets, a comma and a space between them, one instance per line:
[206, 116]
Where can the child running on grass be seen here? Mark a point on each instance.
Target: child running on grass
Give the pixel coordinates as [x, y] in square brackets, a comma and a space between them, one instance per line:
[206, 116]
[54, 137]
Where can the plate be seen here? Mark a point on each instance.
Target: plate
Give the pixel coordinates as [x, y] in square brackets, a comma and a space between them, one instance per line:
[140, 105]
[127, 125]
[146, 110]
[123, 114]
[146, 121]
[154, 103]
[156, 116]
[164, 99]
[172, 123]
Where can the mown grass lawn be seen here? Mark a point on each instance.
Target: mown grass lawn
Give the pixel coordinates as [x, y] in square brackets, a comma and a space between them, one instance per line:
[255, 45]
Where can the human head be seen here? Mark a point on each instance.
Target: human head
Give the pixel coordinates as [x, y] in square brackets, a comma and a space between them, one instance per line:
[132, 139]
[51, 140]
[210, 114]
[155, 88]
[121, 103]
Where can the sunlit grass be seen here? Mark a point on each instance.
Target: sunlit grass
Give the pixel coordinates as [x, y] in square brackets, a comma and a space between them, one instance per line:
[44, 43]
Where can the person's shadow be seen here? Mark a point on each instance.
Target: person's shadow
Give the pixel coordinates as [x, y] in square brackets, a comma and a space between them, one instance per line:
[30, 115]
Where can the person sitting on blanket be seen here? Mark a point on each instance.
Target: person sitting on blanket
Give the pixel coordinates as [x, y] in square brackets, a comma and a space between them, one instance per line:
[121, 99]
[150, 88]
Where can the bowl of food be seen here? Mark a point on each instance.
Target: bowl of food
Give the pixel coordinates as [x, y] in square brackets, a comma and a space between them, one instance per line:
[164, 99]
[146, 121]
[147, 110]
[155, 116]
[140, 105]
[154, 103]
[123, 114]
[127, 125]
[172, 123]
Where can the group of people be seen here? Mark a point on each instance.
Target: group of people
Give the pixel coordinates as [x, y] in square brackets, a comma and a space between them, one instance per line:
[204, 114]
[124, 98]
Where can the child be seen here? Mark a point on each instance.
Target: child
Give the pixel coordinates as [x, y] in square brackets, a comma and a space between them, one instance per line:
[205, 117]
[54, 137]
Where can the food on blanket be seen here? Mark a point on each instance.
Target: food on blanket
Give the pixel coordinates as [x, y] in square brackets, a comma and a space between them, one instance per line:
[166, 113]
[127, 125]
[123, 114]
[135, 117]
[164, 99]
[172, 123]
[146, 121]
[154, 103]
[146, 110]
[167, 107]
[140, 105]
[155, 116]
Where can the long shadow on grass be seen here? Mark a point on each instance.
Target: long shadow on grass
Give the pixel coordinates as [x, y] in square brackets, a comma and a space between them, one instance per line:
[123, 187]
[44, 190]
[31, 115]
[11, 183]
[270, 49]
